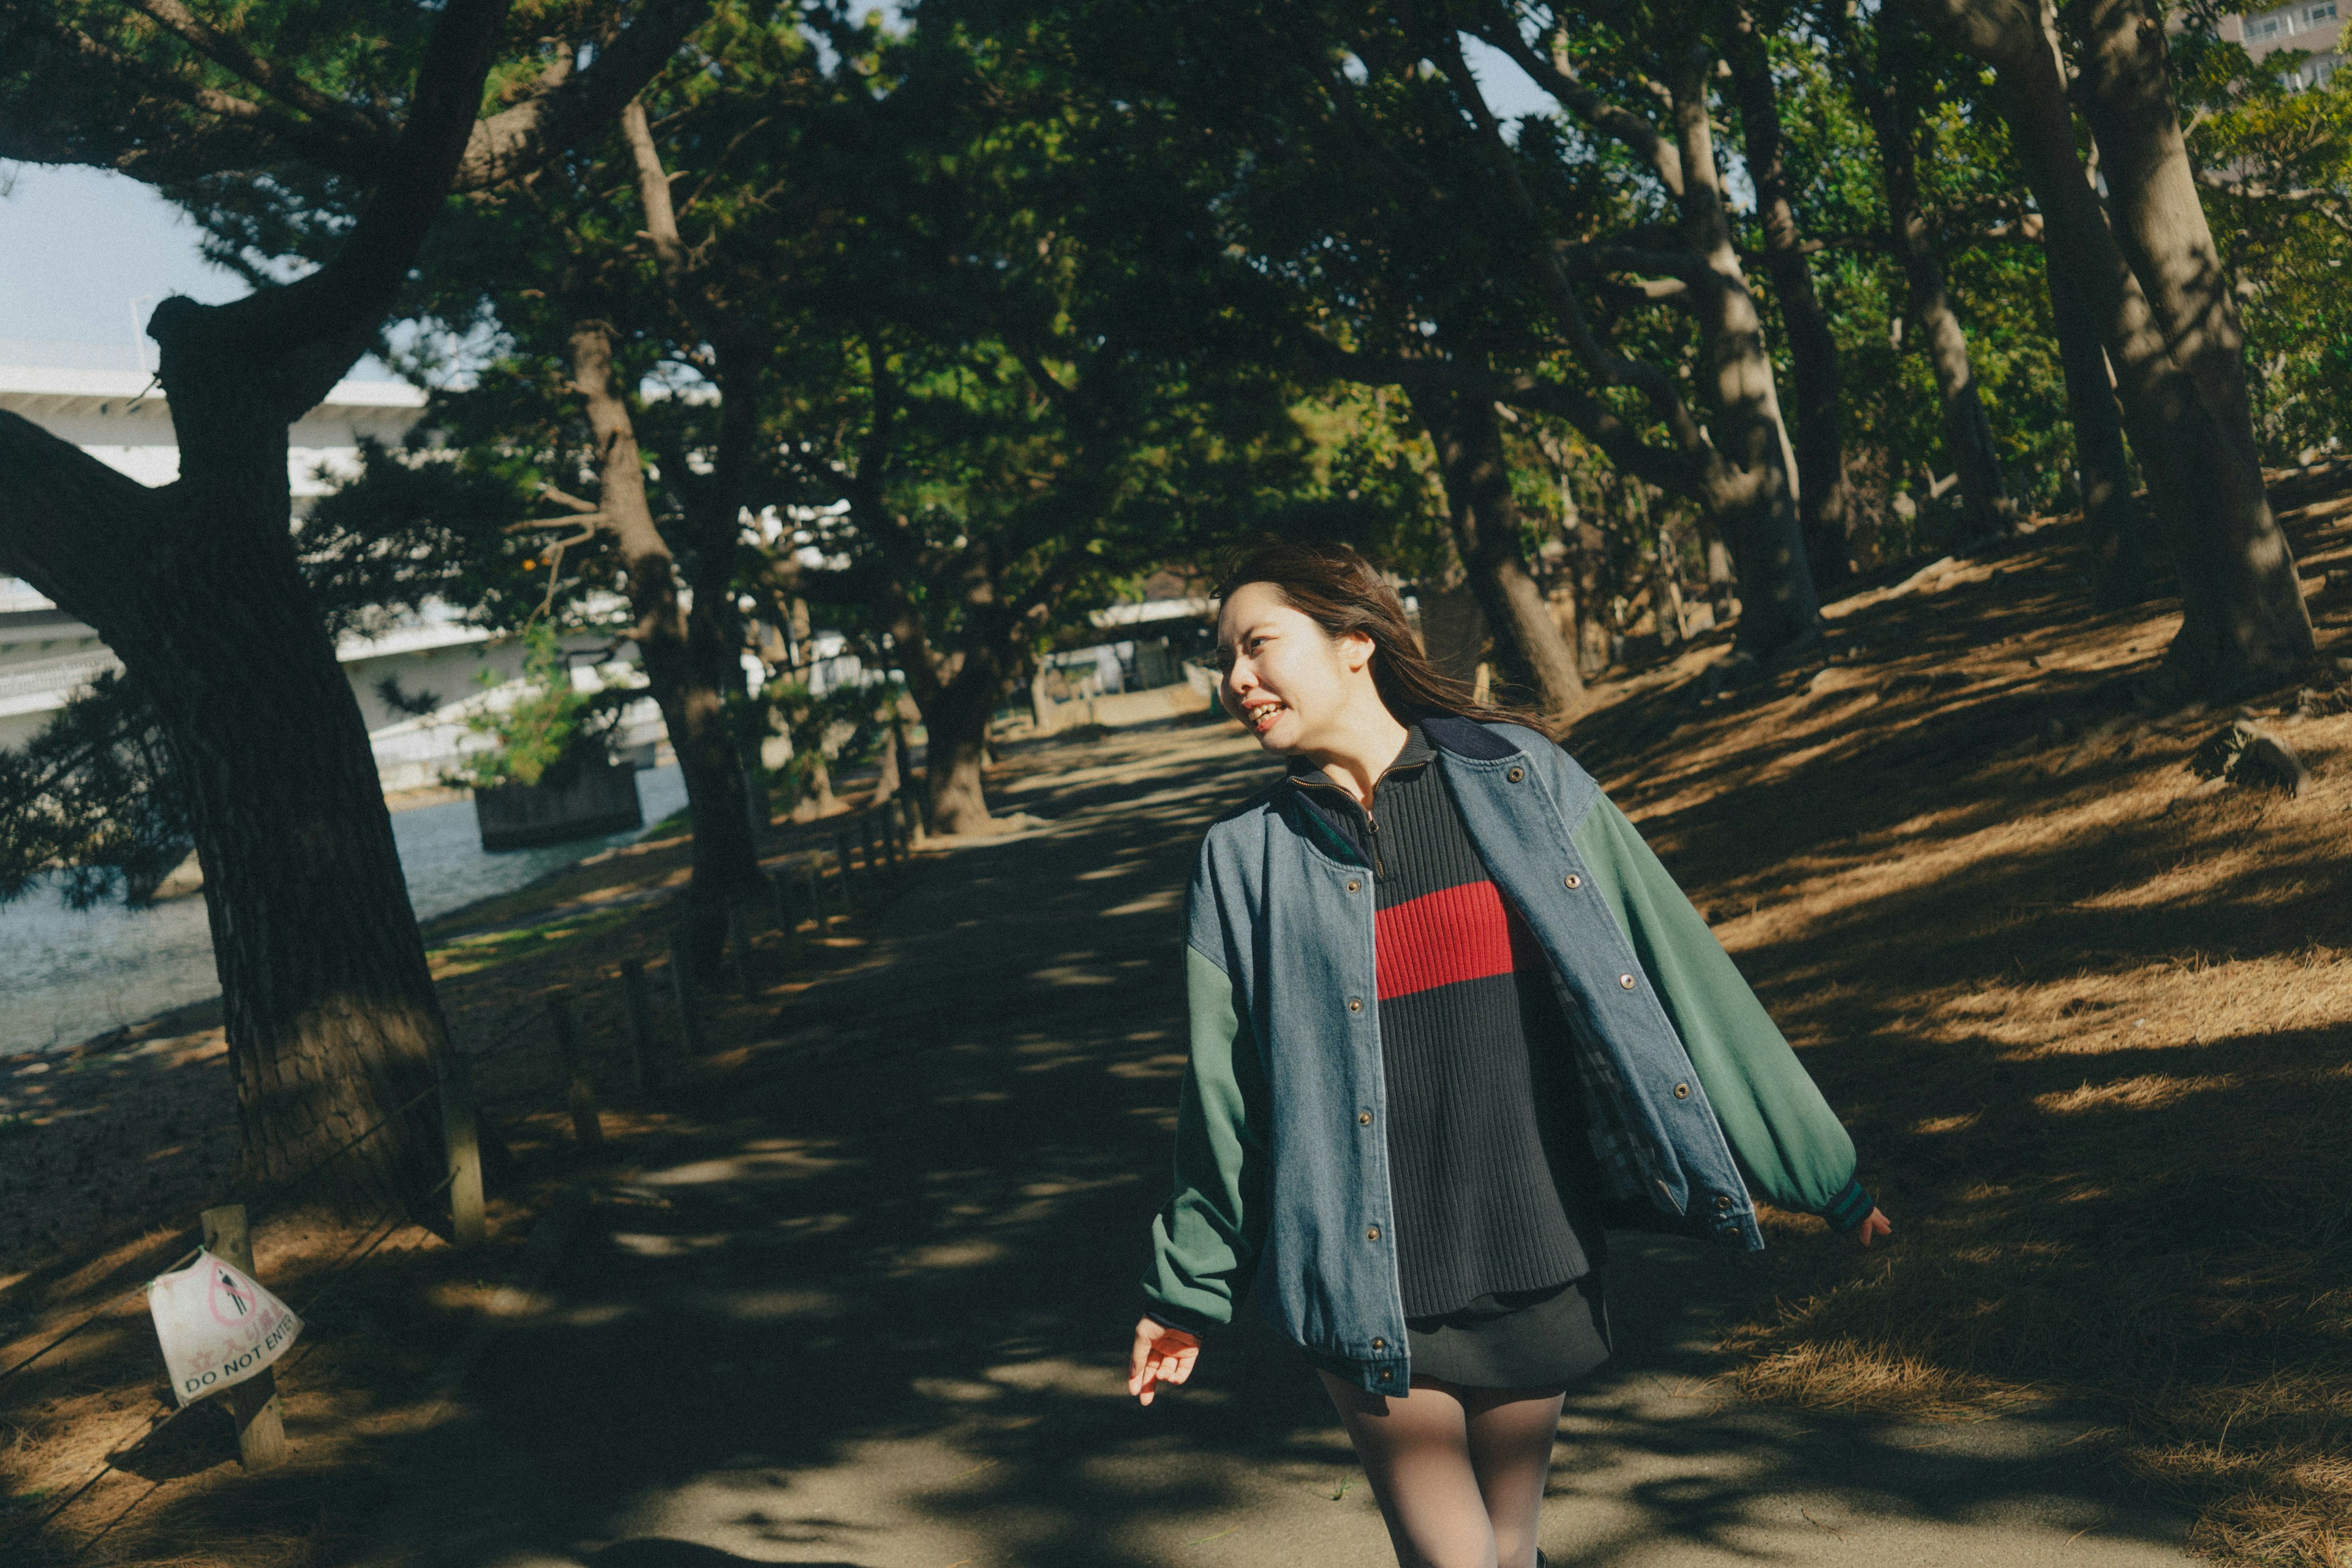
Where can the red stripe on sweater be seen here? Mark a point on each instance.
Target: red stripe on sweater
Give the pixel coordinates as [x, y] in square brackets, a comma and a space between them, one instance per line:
[1443, 939]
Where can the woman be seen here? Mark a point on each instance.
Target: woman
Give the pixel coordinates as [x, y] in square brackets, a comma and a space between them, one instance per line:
[1450, 1019]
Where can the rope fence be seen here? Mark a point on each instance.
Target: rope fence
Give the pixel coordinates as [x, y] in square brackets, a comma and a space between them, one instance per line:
[801, 891]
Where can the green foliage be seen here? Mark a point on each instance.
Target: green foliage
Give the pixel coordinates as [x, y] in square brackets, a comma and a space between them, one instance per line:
[846, 724]
[1970, 188]
[94, 801]
[2281, 210]
[546, 731]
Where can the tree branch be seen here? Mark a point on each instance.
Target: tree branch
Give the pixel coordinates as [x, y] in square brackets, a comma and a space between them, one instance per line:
[1636, 132]
[653, 195]
[1677, 264]
[68, 522]
[334, 152]
[1667, 469]
[1654, 385]
[562, 498]
[571, 102]
[285, 86]
[310, 331]
[2326, 203]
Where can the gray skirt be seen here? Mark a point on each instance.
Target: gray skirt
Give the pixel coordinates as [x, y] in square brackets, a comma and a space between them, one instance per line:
[1523, 1339]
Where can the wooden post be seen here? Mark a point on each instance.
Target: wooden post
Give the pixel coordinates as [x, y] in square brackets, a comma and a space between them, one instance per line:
[253, 1404]
[681, 982]
[841, 858]
[579, 1094]
[461, 1135]
[739, 947]
[641, 1024]
[784, 882]
[757, 801]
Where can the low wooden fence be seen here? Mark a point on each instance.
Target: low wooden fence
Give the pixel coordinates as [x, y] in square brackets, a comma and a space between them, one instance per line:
[814, 887]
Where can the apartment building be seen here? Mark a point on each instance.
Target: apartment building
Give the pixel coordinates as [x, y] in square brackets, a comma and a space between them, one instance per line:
[2311, 25]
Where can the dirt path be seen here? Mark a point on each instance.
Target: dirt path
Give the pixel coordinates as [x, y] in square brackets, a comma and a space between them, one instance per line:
[875, 1314]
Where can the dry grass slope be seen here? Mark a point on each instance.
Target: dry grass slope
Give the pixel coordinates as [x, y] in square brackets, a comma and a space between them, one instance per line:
[2089, 1014]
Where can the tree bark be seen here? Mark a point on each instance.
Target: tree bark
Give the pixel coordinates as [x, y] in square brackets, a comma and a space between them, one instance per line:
[2243, 622]
[1485, 516]
[956, 719]
[2171, 333]
[1751, 490]
[682, 661]
[1824, 494]
[2117, 533]
[332, 1023]
[1987, 510]
[332, 1018]
[1739, 467]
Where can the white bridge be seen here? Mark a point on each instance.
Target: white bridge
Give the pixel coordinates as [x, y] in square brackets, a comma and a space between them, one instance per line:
[101, 399]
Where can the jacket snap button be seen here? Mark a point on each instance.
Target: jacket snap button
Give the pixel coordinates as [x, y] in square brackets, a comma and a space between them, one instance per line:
[1515, 774]
[1364, 1119]
[1572, 880]
[1354, 886]
[1626, 981]
[1355, 1003]
[1380, 1345]
[1373, 1234]
[1723, 1203]
[1682, 1091]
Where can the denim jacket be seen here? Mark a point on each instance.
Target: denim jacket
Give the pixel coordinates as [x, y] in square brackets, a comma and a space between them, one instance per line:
[1281, 1179]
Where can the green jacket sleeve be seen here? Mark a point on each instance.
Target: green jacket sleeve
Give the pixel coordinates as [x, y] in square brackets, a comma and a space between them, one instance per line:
[1792, 1146]
[1204, 1243]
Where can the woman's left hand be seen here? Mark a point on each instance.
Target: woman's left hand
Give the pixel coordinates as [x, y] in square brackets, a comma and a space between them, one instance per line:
[1873, 1228]
[1161, 1354]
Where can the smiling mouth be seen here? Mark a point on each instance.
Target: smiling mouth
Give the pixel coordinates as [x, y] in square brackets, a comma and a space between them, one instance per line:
[1261, 718]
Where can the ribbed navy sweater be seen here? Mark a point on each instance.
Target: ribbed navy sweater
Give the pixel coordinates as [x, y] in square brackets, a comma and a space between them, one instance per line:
[1486, 1155]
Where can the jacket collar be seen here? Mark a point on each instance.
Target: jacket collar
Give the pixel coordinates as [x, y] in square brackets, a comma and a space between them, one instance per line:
[1417, 750]
[1466, 737]
[1331, 815]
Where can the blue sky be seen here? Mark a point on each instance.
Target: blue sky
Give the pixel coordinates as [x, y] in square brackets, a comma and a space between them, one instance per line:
[82, 251]
[81, 248]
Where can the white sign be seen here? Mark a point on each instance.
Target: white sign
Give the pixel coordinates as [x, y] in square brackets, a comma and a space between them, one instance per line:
[217, 1326]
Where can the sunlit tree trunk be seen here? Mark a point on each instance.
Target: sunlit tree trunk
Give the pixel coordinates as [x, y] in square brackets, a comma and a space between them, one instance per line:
[1825, 496]
[2244, 618]
[2110, 515]
[2155, 285]
[1751, 490]
[683, 662]
[1485, 516]
[1894, 115]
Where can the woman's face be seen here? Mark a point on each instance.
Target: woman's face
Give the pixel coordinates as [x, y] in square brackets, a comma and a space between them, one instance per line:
[1287, 680]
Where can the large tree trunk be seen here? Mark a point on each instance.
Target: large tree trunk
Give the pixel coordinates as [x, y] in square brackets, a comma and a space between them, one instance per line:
[1534, 657]
[2171, 333]
[682, 661]
[956, 721]
[1750, 489]
[1986, 509]
[2118, 536]
[2243, 619]
[332, 1022]
[1825, 495]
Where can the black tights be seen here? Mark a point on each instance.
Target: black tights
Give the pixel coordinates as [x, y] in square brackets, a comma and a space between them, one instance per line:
[1459, 1472]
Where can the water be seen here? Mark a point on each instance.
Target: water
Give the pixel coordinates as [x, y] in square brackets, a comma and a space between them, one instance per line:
[74, 975]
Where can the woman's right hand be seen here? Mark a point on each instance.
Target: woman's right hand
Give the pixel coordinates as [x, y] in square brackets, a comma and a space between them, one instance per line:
[1161, 1354]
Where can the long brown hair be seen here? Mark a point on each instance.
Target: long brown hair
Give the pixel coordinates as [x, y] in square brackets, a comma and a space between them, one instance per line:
[1338, 589]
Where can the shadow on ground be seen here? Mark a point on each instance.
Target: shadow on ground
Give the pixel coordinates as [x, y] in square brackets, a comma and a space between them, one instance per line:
[876, 1313]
